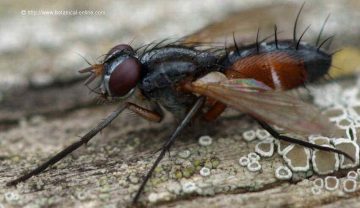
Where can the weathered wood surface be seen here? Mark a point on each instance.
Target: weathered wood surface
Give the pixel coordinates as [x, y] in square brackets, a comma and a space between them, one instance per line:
[44, 107]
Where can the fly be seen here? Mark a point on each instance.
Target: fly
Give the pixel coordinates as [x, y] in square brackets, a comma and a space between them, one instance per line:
[187, 81]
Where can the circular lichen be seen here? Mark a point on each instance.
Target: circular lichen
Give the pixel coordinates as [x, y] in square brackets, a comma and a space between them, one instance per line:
[197, 162]
[352, 175]
[205, 171]
[215, 162]
[189, 187]
[205, 140]
[188, 171]
[178, 174]
[331, 183]
[349, 185]
[208, 164]
[283, 173]
[244, 161]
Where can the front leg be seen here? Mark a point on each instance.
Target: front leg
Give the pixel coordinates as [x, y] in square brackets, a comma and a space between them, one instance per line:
[151, 115]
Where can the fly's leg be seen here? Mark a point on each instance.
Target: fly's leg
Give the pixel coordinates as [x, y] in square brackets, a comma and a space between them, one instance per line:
[215, 111]
[151, 115]
[278, 136]
[147, 114]
[196, 107]
[85, 139]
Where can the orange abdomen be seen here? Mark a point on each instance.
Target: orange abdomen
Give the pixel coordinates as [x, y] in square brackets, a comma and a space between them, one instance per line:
[276, 69]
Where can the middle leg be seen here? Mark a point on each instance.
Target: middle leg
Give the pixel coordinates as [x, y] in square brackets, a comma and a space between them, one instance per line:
[196, 107]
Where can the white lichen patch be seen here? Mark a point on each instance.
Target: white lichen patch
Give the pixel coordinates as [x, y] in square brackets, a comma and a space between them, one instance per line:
[155, 197]
[265, 148]
[189, 187]
[283, 173]
[244, 161]
[349, 185]
[344, 123]
[11, 197]
[356, 132]
[316, 190]
[349, 95]
[351, 148]
[262, 134]
[335, 113]
[325, 162]
[352, 175]
[81, 195]
[253, 156]
[354, 111]
[319, 182]
[204, 171]
[327, 95]
[205, 140]
[331, 183]
[133, 179]
[283, 147]
[174, 187]
[249, 135]
[254, 166]
[319, 140]
[184, 154]
[298, 158]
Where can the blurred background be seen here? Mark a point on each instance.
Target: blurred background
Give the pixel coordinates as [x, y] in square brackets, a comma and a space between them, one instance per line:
[42, 42]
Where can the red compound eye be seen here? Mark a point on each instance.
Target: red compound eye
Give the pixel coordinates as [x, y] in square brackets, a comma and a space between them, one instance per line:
[124, 77]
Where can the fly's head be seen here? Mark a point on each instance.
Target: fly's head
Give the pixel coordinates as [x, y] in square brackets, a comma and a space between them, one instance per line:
[120, 72]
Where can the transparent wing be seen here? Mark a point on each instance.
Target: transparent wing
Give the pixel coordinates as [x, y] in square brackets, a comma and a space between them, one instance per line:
[275, 107]
[245, 23]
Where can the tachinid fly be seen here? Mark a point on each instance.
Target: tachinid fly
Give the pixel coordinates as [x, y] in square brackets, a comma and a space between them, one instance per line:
[188, 80]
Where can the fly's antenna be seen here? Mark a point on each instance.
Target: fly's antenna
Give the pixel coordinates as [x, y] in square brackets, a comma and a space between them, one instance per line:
[91, 78]
[276, 38]
[101, 57]
[93, 90]
[236, 45]
[296, 22]
[298, 42]
[321, 30]
[329, 38]
[257, 40]
[85, 59]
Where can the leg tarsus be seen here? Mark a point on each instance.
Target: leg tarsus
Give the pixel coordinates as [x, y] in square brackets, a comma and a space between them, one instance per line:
[276, 135]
